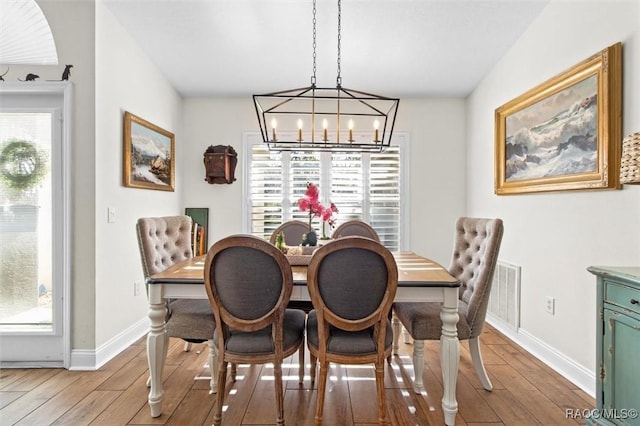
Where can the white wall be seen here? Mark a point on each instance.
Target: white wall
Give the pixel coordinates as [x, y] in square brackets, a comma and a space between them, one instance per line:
[215, 122]
[126, 80]
[72, 26]
[437, 177]
[556, 236]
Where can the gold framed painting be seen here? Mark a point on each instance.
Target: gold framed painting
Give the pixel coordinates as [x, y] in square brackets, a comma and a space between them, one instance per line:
[149, 155]
[564, 134]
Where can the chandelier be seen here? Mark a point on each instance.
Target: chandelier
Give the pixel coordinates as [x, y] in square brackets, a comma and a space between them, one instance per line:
[333, 119]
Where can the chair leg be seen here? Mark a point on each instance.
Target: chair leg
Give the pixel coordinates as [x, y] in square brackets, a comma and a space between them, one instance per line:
[277, 372]
[476, 358]
[322, 387]
[222, 380]
[382, 407]
[213, 367]
[406, 336]
[187, 346]
[234, 371]
[312, 368]
[397, 327]
[301, 363]
[418, 365]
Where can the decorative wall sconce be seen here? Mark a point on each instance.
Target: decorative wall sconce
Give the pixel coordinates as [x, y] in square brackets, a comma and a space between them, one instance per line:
[630, 162]
[220, 164]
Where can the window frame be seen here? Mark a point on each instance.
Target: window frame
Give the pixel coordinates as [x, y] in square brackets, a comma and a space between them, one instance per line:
[399, 138]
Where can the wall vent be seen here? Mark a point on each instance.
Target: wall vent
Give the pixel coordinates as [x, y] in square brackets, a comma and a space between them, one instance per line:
[504, 301]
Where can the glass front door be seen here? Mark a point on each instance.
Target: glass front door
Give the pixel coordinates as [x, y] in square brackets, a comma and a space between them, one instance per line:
[31, 284]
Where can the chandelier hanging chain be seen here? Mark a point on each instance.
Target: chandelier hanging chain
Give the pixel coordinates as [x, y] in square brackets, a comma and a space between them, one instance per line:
[338, 78]
[313, 77]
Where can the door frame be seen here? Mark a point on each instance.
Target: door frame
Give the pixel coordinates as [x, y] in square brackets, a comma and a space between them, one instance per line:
[61, 259]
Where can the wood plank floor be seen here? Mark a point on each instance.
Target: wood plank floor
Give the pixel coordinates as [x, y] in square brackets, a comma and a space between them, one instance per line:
[525, 392]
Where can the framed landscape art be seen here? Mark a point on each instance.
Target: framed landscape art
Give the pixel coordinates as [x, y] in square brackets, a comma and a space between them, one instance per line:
[564, 134]
[149, 155]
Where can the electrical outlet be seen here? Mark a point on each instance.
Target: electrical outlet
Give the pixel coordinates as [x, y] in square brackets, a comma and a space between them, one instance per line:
[550, 305]
[136, 288]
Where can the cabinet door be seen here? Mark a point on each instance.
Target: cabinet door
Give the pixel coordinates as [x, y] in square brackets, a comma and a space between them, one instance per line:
[621, 358]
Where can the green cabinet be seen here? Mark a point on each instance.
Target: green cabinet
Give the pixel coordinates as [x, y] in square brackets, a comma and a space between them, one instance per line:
[618, 346]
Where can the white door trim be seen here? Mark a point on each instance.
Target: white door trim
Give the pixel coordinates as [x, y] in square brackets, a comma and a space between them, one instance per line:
[62, 258]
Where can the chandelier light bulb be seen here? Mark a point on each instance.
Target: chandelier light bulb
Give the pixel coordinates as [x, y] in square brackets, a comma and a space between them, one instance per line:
[325, 124]
[376, 125]
[274, 124]
[300, 130]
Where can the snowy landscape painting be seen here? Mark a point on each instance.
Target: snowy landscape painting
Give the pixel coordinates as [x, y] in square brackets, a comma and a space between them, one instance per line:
[557, 135]
[149, 155]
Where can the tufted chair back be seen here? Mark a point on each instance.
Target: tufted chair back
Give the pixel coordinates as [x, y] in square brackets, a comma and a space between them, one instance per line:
[163, 241]
[475, 254]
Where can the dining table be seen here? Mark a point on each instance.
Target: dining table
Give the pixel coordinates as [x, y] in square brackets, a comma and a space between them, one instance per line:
[419, 280]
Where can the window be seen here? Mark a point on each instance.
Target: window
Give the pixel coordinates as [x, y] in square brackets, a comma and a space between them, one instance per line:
[365, 186]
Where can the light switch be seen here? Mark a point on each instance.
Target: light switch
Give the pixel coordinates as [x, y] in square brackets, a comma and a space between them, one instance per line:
[111, 215]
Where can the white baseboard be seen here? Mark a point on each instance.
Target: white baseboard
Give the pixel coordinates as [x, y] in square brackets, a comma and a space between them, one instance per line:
[568, 368]
[89, 359]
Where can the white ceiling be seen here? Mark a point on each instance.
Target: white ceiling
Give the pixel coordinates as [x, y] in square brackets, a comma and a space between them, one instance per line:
[400, 48]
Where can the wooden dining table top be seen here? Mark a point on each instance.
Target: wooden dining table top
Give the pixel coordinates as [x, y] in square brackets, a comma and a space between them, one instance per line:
[413, 271]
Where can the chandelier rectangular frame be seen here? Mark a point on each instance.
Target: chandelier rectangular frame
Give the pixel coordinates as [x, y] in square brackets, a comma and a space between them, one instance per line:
[326, 119]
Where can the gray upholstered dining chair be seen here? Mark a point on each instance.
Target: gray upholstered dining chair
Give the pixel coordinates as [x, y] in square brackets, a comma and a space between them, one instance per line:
[249, 283]
[475, 253]
[163, 242]
[355, 227]
[352, 282]
[293, 231]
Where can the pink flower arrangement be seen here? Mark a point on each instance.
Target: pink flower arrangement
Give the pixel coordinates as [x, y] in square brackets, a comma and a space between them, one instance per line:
[309, 202]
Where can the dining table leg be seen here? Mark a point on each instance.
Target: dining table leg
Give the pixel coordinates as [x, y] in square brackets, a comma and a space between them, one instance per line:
[449, 354]
[156, 348]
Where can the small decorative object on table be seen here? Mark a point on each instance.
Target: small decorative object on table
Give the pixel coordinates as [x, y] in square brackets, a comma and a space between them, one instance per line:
[310, 202]
[300, 255]
[280, 244]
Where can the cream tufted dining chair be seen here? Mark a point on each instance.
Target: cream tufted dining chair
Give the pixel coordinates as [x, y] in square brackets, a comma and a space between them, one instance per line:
[163, 242]
[475, 253]
[357, 228]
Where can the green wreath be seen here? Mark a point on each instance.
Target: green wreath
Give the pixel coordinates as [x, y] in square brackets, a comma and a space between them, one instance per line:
[22, 165]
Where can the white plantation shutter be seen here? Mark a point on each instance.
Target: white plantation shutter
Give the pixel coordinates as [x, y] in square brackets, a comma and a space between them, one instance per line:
[265, 190]
[384, 196]
[364, 186]
[347, 186]
[304, 167]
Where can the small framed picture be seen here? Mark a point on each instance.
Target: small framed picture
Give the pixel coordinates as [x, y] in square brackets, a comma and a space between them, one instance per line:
[149, 155]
